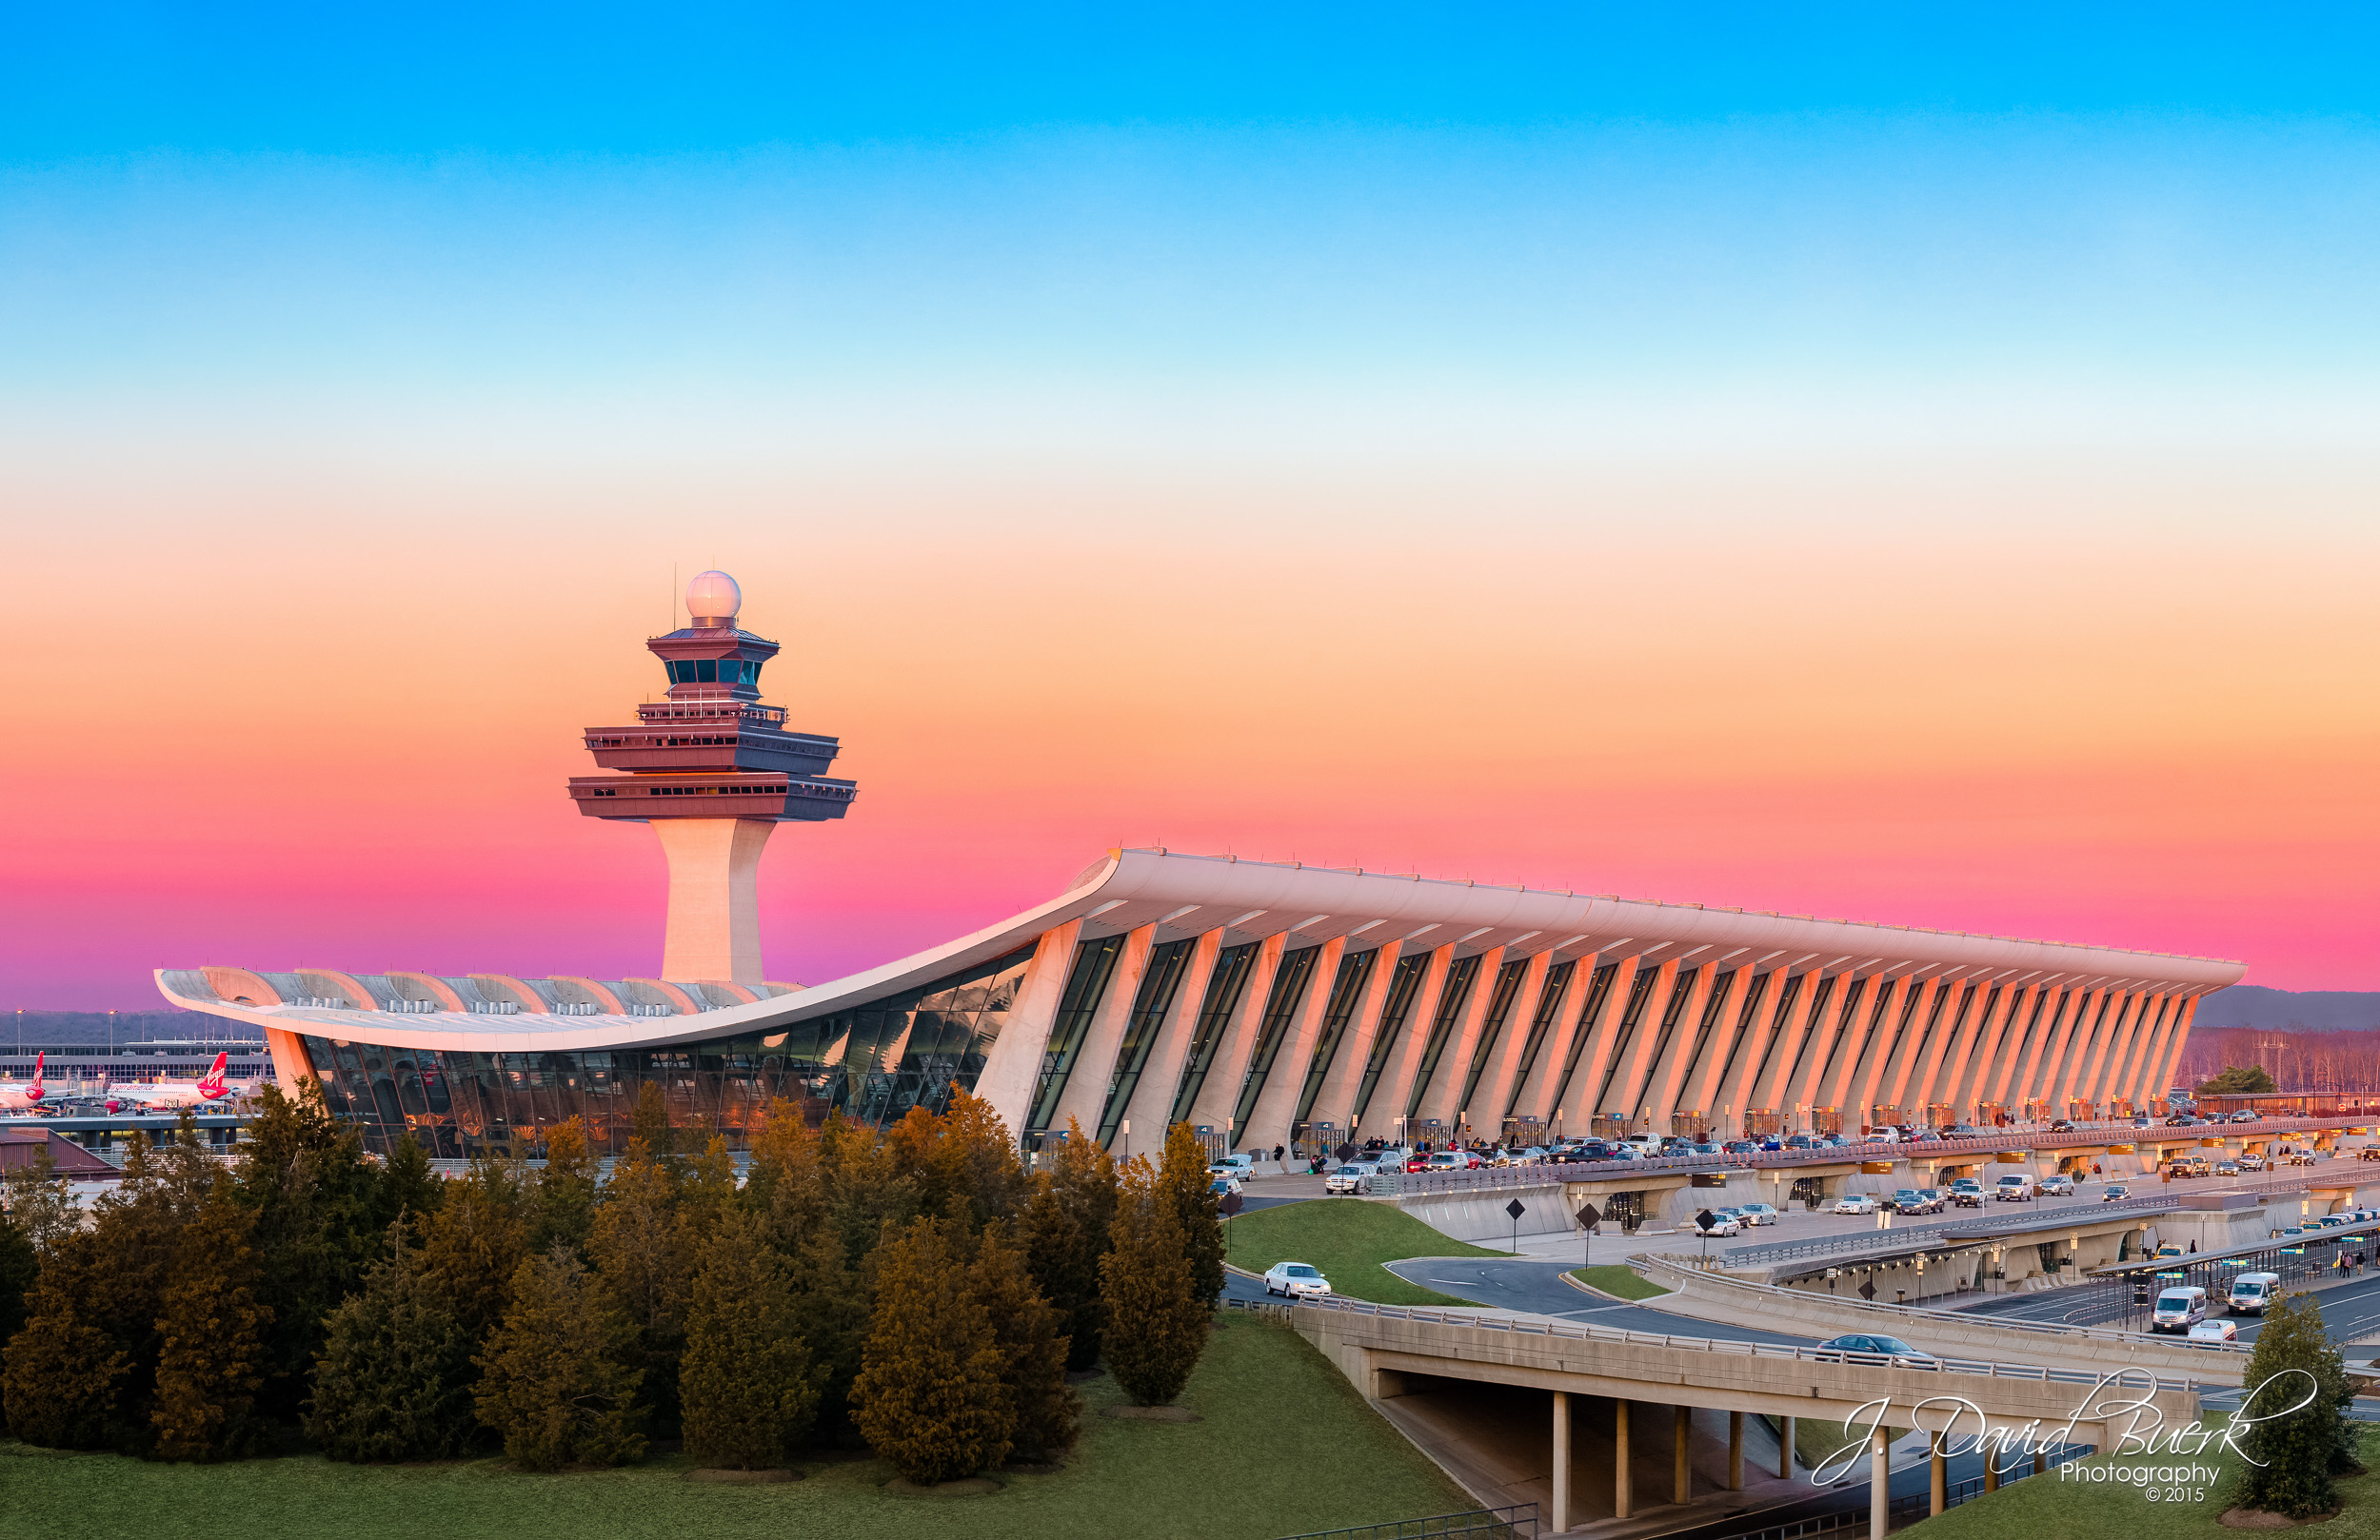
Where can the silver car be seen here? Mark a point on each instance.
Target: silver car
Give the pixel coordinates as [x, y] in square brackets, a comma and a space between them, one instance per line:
[1355, 1176]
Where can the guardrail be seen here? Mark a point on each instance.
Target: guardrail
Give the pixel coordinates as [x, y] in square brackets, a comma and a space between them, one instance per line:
[1519, 1521]
[1658, 1262]
[1584, 1331]
[1906, 1508]
[2085, 1136]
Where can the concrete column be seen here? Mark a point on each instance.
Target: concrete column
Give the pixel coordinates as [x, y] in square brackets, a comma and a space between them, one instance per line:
[1991, 1470]
[1497, 1090]
[1785, 1450]
[1665, 1079]
[714, 926]
[1545, 1075]
[1160, 1072]
[1276, 1104]
[1880, 1487]
[1680, 1438]
[1574, 1093]
[2041, 1024]
[1623, 1489]
[1218, 1101]
[1085, 1094]
[2040, 1462]
[1734, 1451]
[1940, 1469]
[1337, 1102]
[1443, 1097]
[1561, 1462]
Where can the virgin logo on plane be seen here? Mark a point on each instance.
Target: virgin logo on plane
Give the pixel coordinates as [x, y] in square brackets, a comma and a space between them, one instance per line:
[32, 1091]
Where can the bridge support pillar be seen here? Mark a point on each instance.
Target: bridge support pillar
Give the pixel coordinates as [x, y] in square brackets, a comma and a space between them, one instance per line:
[1880, 1486]
[1734, 1451]
[1623, 1487]
[1941, 1487]
[2040, 1462]
[1681, 1432]
[1785, 1450]
[1991, 1470]
[1561, 1462]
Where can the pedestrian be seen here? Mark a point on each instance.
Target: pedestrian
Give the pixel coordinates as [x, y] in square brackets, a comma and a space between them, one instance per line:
[1278, 1150]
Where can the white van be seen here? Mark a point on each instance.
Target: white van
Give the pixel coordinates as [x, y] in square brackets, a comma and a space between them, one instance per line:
[2252, 1292]
[2178, 1309]
[2015, 1190]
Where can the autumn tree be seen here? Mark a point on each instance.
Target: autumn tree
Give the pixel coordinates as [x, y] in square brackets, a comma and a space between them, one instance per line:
[930, 1397]
[1187, 1190]
[319, 1224]
[641, 1245]
[394, 1379]
[211, 1330]
[2294, 1456]
[556, 1383]
[833, 1304]
[1157, 1323]
[1033, 1349]
[1067, 1218]
[748, 1385]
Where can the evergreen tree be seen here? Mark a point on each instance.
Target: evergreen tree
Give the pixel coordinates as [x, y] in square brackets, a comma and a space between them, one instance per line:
[40, 1203]
[1157, 1323]
[650, 1122]
[407, 1186]
[2238, 1079]
[962, 1163]
[930, 1398]
[63, 1376]
[748, 1387]
[864, 1188]
[641, 1245]
[555, 1382]
[565, 1190]
[1033, 1349]
[1066, 1224]
[1187, 1189]
[318, 1226]
[708, 1193]
[212, 1338]
[20, 1265]
[784, 1186]
[833, 1304]
[2293, 1457]
[474, 1245]
[394, 1379]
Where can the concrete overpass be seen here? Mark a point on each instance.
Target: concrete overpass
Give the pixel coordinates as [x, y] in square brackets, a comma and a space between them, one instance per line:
[1609, 1387]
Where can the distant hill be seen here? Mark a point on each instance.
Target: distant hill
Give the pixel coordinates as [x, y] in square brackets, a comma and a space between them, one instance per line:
[2283, 1009]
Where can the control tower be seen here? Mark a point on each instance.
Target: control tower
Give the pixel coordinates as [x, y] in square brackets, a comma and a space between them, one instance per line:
[713, 771]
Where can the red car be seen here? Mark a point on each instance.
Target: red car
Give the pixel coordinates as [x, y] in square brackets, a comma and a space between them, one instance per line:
[1418, 1162]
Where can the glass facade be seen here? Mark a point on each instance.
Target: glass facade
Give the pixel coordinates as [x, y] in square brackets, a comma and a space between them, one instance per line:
[713, 671]
[1451, 1000]
[1508, 981]
[1224, 989]
[1158, 985]
[1752, 998]
[1549, 1010]
[1086, 985]
[1404, 982]
[872, 1062]
[1598, 990]
[1639, 992]
[1355, 971]
[1281, 1009]
[1713, 1012]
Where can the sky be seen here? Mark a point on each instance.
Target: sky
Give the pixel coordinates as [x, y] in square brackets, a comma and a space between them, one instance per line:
[1879, 464]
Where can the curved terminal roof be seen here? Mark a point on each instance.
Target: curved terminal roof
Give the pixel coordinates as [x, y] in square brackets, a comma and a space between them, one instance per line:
[1182, 894]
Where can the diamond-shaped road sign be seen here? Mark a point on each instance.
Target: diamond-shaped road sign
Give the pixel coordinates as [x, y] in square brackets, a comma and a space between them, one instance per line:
[1516, 1207]
[1588, 1217]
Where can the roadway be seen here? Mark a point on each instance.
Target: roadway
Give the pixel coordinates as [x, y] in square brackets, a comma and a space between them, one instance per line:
[1537, 1289]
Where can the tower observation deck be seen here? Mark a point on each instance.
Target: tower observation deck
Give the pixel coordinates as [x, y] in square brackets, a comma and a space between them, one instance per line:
[714, 772]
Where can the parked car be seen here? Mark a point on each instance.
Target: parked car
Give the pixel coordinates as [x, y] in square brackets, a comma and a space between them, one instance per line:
[2167, 1251]
[2140, 1121]
[2370, 1152]
[2252, 1292]
[1222, 1186]
[1851, 1347]
[2214, 1328]
[1296, 1279]
[1355, 1176]
[1238, 1166]
[1723, 1222]
[2114, 1190]
[1857, 1203]
[2013, 1188]
[2178, 1309]
[2061, 1186]
[1757, 1213]
[1803, 1141]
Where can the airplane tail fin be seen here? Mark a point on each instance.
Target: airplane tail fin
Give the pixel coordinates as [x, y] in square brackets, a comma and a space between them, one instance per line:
[38, 1059]
[213, 1077]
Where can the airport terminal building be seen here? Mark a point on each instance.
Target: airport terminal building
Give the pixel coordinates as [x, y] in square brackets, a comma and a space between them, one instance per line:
[1265, 1003]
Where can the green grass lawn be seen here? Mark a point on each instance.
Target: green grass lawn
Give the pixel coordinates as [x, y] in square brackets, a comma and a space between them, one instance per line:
[1348, 1239]
[1286, 1447]
[2044, 1508]
[1614, 1279]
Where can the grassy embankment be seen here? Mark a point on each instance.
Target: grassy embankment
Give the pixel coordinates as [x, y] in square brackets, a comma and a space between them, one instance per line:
[1249, 1471]
[1349, 1240]
[1613, 1280]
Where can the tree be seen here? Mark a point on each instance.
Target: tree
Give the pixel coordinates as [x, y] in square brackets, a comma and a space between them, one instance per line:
[565, 1190]
[2293, 1458]
[1157, 1323]
[2238, 1079]
[474, 1245]
[555, 1382]
[640, 1244]
[650, 1122]
[833, 1304]
[64, 1375]
[708, 1193]
[20, 1265]
[212, 1356]
[784, 1186]
[394, 1379]
[409, 1185]
[865, 1189]
[1182, 1178]
[963, 1162]
[319, 1224]
[1033, 1349]
[40, 1203]
[748, 1387]
[1066, 1224]
[930, 1397]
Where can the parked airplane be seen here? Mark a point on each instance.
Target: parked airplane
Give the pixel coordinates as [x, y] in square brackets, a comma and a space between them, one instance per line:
[208, 1087]
[12, 1097]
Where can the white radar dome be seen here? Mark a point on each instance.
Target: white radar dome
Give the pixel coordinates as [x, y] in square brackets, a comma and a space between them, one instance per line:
[713, 598]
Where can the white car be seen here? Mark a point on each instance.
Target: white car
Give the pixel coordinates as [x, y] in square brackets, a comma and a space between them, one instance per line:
[1237, 1167]
[2214, 1328]
[1297, 1280]
[1757, 1213]
[1355, 1176]
[1857, 1203]
[2057, 1187]
[1723, 1222]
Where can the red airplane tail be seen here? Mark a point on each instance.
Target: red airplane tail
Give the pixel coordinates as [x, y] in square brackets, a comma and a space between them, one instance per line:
[212, 1079]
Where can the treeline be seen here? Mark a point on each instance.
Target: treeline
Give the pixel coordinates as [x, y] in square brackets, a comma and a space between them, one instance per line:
[2348, 1062]
[918, 1292]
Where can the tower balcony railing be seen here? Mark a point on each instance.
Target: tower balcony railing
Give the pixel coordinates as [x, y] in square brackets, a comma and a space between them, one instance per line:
[720, 708]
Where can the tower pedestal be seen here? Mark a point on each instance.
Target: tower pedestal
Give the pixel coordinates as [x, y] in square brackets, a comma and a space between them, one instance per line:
[714, 898]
